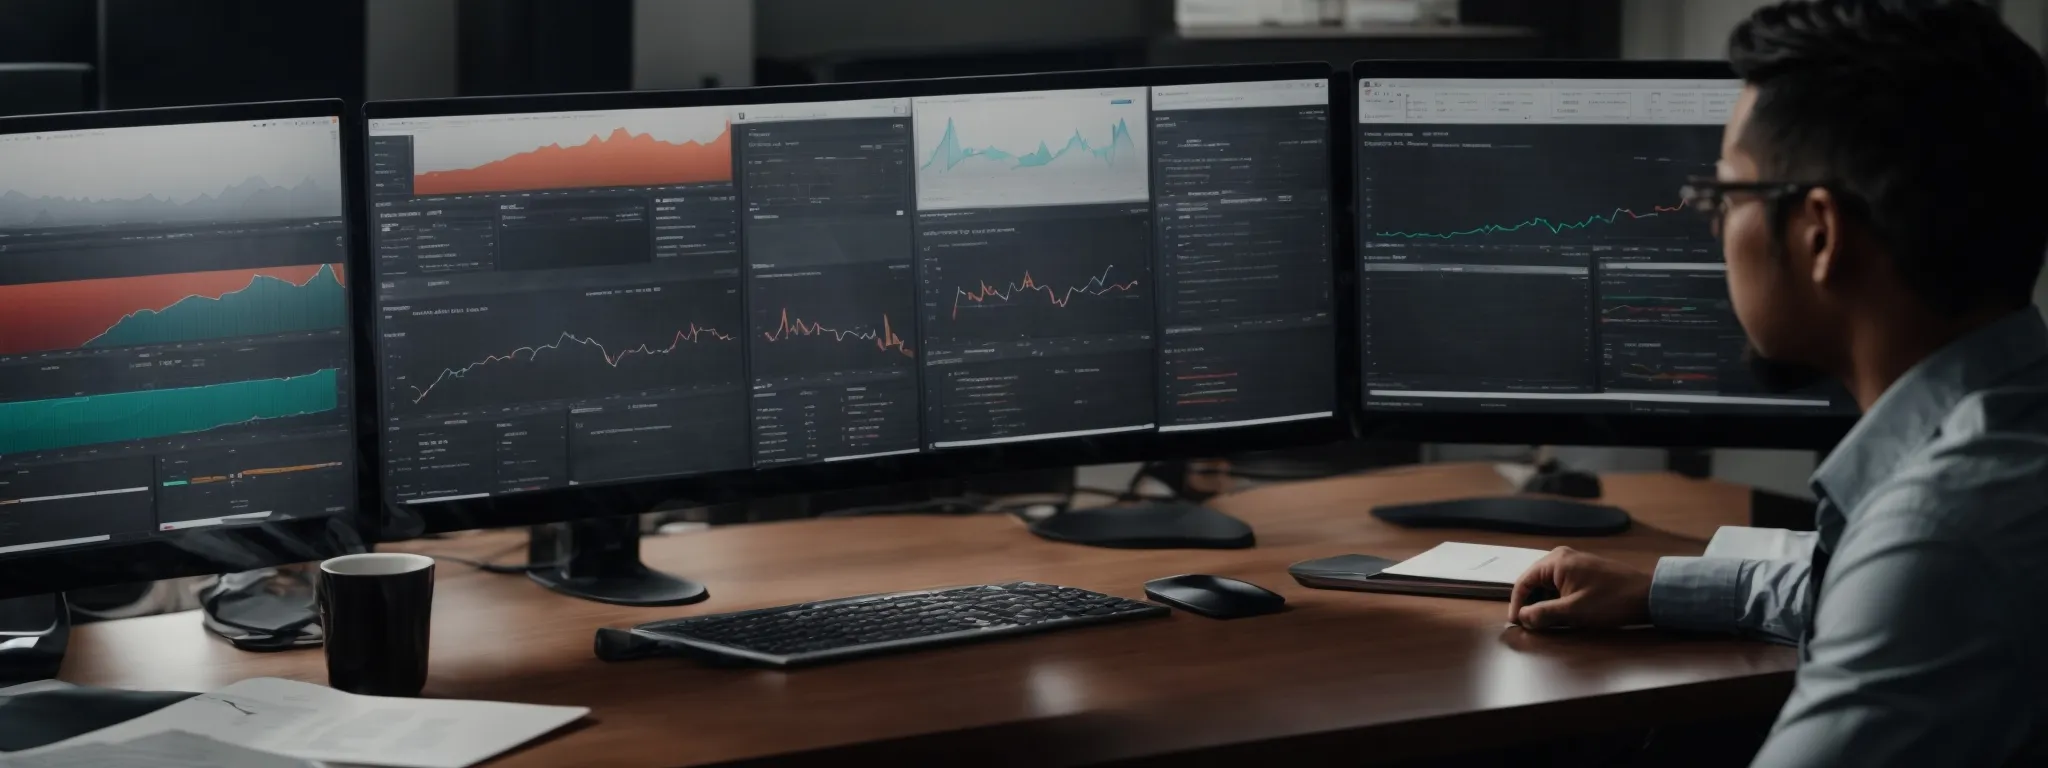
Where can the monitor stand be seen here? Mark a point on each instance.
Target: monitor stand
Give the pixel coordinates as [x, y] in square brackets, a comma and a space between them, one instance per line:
[1147, 525]
[599, 559]
[34, 632]
[1545, 508]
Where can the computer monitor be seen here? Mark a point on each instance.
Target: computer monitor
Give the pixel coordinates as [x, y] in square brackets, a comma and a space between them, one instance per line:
[588, 303]
[1527, 273]
[177, 375]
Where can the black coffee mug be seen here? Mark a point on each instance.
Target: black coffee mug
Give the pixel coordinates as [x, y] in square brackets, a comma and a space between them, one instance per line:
[375, 610]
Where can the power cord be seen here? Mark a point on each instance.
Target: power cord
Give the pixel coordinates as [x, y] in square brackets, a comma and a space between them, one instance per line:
[948, 505]
[487, 566]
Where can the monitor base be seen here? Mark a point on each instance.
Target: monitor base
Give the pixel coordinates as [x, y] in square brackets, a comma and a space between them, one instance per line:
[647, 588]
[1537, 515]
[1148, 525]
[34, 633]
[599, 560]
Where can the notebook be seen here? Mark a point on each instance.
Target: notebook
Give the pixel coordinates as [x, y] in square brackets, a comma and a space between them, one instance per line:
[1451, 569]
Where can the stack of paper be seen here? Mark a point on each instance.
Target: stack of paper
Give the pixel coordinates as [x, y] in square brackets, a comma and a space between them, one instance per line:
[1451, 569]
[316, 723]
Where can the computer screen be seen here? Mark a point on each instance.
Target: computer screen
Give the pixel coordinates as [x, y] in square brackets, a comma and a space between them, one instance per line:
[589, 297]
[1522, 248]
[175, 350]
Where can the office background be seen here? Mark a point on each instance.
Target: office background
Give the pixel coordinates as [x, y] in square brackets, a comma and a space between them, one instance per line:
[58, 55]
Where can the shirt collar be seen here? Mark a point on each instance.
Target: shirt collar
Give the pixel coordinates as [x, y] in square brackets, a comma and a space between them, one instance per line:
[1911, 411]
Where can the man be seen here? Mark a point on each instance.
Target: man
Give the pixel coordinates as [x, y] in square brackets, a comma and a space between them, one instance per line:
[1882, 201]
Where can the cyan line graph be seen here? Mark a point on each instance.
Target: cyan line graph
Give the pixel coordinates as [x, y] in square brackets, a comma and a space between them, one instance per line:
[951, 152]
[613, 359]
[1555, 227]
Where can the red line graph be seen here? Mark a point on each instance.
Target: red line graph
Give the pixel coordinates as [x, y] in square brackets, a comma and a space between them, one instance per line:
[1096, 286]
[693, 335]
[884, 339]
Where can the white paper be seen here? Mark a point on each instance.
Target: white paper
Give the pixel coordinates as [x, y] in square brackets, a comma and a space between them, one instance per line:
[314, 722]
[1481, 563]
[170, 749]
[36, 687]
[1382, 11]
[1735, 541]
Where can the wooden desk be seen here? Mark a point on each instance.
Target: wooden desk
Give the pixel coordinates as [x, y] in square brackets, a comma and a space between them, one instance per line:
[1340, 675]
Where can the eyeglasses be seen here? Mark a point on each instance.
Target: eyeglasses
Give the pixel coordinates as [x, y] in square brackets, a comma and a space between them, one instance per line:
[1709, 196]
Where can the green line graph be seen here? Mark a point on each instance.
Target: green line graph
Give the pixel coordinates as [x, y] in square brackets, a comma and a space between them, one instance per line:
[1536, 222]
[38, 425]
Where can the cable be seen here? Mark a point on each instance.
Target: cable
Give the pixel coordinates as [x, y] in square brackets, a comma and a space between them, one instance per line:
[1253, 474]
[300, 632]
[1124, 495]
[505, 570]
[949, 505]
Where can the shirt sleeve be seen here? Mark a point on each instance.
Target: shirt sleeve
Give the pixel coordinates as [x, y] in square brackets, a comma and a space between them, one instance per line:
[1765, 599]
[1910, 662]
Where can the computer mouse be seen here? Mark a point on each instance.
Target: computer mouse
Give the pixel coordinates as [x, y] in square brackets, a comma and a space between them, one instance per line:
[1216, 597]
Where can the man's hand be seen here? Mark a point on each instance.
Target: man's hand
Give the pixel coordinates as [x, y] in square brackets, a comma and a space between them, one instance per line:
[1579, 590]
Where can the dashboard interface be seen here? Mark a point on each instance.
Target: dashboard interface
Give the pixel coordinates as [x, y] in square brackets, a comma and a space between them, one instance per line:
[175, 351]
[579, 298]
[1522, 247]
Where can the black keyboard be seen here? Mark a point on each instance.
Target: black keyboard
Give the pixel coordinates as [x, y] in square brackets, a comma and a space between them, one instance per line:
[832, 630]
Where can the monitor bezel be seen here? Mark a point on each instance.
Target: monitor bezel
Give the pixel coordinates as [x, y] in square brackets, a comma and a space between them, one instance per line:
[199, 552]
[565, 504]
[1702, 431]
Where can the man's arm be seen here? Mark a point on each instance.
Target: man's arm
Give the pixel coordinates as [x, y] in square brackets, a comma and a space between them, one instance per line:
[1760, 598]
[1911, 661]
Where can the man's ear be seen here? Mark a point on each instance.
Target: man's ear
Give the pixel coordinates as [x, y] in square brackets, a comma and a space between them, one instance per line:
[1816, 227]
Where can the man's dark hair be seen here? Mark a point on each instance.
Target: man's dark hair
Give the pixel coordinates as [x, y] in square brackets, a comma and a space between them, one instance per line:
[1930, 113]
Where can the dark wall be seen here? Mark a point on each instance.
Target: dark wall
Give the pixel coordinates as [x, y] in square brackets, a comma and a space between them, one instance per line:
[211, 51]
[1572, 29]
[544, 46]
[47, 30]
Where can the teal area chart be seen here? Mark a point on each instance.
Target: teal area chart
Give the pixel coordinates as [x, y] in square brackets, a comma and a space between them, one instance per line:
[39, 425]
[1120, 149]
[1031, 149]
[268, 305]
[172, 308]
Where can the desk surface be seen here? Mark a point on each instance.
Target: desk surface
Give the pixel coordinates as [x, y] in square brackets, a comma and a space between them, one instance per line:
[1338, 670]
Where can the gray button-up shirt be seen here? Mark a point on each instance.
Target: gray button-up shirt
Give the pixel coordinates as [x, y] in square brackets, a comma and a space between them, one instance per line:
[1922, 618]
